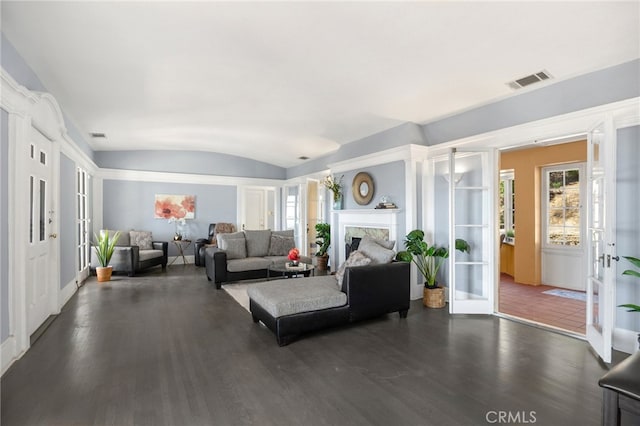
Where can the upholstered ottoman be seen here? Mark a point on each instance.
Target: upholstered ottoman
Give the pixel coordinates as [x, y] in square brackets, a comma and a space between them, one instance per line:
[290, 307]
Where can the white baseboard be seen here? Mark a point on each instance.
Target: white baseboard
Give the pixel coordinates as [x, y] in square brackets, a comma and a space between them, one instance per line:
[67, 292]
[625, 340]
[178, 260]
[8, 354]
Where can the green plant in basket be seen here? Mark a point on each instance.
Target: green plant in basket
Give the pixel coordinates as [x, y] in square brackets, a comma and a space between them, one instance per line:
[428, 258]
[634, 273]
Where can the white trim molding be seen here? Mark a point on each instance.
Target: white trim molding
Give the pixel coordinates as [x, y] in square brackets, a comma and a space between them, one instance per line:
[625, 340]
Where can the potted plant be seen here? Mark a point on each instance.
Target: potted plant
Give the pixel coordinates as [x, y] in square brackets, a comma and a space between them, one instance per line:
[104, 250]
[323, 233]
[630, 306]
[334, 184]
[428, 259]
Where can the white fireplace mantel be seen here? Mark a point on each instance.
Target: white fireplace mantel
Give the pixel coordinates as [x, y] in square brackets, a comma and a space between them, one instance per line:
[365, 218]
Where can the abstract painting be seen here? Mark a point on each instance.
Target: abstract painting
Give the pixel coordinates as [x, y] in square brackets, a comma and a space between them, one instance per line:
[175, 206]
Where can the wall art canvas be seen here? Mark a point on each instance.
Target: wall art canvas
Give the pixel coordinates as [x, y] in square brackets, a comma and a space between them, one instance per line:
[175, 206]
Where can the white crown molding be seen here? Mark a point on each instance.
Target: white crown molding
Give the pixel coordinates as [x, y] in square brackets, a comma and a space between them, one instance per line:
[624, 113]
[17, 99]
[401, 153]
[147, 176]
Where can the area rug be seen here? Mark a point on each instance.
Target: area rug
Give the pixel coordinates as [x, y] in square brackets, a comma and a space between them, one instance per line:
[239, 293]
[569, 294]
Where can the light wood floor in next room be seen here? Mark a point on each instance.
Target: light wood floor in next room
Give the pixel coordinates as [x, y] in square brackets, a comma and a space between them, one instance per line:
[170, 349]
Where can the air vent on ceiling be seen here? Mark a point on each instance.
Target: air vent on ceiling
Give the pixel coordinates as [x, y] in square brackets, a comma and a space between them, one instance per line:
[528, 80]
[96, 135]
[304, 157]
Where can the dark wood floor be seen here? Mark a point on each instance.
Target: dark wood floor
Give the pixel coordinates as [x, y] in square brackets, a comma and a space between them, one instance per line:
[171, 349]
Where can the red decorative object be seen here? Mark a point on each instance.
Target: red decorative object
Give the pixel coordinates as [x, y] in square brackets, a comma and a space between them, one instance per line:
[294, 254]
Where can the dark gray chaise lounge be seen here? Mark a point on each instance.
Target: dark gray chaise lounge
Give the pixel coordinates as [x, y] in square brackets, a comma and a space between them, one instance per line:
[291, 307]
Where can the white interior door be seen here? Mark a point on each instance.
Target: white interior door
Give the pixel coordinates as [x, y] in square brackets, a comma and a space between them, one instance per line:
[472, 177]
[255, 209]
[600, 218]
[39, 271]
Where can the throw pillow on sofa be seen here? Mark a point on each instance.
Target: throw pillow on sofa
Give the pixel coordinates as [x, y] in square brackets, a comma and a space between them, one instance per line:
[280, 245]
[356, 258]
[233, 244]
[142, 239]
[377, 253]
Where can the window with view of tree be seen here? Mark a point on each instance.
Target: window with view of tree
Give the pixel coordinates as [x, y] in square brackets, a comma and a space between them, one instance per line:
[507, 204]
[563, 205]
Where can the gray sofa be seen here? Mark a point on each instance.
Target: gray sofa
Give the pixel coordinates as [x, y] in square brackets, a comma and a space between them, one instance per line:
[247, 255]
[134, 252]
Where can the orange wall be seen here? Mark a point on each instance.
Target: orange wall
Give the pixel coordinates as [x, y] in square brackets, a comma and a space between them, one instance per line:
[527, 164]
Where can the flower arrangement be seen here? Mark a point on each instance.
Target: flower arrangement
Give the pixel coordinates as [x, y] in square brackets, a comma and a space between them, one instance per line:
[178, 222]
[334, 184]
[294, 256]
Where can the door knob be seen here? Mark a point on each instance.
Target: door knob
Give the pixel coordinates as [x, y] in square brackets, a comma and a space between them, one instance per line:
[53, 235]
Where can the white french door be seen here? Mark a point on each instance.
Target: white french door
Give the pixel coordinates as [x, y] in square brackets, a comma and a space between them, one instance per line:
[472, 179]
[41, 231]
[601, 255]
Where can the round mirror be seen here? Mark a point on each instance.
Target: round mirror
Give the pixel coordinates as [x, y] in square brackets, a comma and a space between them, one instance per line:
[362, 188]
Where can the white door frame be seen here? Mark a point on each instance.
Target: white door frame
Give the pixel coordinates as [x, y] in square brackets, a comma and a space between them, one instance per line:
[621, 114]
[40, 111]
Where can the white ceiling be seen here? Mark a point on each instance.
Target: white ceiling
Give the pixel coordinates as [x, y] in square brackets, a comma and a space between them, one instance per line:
[275, 81]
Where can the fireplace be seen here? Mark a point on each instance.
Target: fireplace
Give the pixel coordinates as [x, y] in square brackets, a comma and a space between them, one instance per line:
[378, 223]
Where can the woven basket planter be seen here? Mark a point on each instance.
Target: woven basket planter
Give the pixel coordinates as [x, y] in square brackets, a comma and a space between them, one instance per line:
[433, 297]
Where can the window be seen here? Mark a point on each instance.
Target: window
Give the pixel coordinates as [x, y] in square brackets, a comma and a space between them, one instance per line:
[507, 203]
[82, 220]
[562, 195]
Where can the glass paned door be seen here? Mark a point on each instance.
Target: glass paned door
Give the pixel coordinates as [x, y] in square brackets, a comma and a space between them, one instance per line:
[601, 249]
[472, 177]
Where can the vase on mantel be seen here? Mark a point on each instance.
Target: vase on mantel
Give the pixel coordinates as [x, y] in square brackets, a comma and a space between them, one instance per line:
[337, 202]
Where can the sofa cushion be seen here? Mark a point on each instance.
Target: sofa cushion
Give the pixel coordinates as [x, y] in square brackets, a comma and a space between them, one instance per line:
[293, 296]
[149, 254]
[285, 233]
[356, 258]
[280, 245]
[247, 264]
[142, 239]
[258, 242]
[234, 247]
[376, 252]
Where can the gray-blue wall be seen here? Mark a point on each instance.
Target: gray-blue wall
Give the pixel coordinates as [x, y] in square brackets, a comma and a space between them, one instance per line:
[67, 220]
[597, 88]
[404, 134]
[627, 223]
[22, 73]
[206, 163]
[130, 205]
[4, 225]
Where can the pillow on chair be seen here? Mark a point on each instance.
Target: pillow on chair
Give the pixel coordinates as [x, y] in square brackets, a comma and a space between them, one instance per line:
[142, 239]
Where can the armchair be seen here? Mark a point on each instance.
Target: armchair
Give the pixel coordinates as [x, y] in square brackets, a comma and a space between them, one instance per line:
[134, 252]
